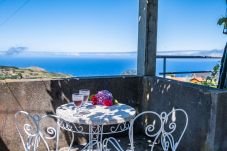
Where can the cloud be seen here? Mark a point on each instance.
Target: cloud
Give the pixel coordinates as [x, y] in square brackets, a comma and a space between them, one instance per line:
[15, 50]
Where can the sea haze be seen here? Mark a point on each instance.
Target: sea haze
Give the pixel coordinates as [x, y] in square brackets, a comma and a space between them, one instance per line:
[25, 52]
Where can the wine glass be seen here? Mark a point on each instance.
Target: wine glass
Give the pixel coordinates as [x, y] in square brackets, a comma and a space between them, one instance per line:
[85, 93]
[77, 100]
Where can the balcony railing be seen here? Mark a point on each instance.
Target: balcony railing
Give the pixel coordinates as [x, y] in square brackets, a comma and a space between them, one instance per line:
[165, 57]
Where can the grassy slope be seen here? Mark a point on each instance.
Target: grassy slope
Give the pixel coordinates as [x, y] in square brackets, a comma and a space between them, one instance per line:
[10, 72]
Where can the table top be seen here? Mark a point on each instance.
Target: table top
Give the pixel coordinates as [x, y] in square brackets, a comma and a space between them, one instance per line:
[96, 114]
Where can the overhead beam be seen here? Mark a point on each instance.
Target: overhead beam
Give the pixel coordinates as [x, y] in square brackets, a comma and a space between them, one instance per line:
[147, 37]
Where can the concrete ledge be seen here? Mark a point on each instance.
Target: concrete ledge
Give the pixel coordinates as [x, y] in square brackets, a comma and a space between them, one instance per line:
[206, 107]
[207, 127]
[44, 96]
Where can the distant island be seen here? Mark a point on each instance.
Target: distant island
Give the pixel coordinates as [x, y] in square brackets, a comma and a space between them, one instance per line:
[10, 72]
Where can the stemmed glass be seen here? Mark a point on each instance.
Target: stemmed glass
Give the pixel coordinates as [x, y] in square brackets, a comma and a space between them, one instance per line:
[85, 93]
[77, 100]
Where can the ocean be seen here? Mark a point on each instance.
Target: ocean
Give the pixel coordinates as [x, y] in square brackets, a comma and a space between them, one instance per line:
[102, 66]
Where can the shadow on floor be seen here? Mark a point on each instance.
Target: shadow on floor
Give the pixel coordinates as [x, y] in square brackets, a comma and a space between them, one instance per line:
[141, 143]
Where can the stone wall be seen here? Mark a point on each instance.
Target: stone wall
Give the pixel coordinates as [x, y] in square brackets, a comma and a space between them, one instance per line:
[206, 108]
[44, 96]
[220, 137]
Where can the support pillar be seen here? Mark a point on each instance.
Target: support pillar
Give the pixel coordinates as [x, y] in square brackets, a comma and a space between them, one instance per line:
[147, 37]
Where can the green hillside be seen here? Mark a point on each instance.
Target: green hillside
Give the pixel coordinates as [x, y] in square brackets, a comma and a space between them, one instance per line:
[10, 72]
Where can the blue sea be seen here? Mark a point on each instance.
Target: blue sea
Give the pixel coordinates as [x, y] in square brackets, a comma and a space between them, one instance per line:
[101, 66]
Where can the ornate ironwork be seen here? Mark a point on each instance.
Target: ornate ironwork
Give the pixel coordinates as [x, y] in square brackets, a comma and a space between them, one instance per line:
[72, 127]
[113, 142]
[164, 130]
[95, 132]
[76, 128]
[119, 128]
[168, 141]
[32, 134]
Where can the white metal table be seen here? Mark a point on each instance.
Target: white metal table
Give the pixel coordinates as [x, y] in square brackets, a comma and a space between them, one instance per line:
[116, 117]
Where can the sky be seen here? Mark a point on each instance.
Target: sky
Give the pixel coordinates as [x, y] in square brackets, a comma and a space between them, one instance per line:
[190, 25]
[108, 25]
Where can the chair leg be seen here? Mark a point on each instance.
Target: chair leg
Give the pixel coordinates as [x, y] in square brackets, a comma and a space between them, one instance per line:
[71, 144]
[58, 131]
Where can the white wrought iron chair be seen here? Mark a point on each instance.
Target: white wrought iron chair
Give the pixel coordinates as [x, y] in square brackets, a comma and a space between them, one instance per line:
[36, 130]
[162, 128]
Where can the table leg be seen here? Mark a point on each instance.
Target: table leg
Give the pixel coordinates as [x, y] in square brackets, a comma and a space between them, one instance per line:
[99, 139]
[90, 137]
[95, 138]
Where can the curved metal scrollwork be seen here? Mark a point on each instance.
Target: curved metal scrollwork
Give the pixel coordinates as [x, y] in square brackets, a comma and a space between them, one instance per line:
[150, 129]
[168, 139]
[32, 133]
[72, 127]
[114, 142]
[121, 127]
[162, 127]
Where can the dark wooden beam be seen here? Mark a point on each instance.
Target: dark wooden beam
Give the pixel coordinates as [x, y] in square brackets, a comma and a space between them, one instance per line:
[147, 37]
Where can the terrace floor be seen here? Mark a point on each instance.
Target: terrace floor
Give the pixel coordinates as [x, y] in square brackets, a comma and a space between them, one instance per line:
[142, 143]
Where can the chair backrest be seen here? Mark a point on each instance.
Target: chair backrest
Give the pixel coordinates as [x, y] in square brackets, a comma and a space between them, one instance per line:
[32, 131]
[162, 127]
[153, 127]
[171, 133]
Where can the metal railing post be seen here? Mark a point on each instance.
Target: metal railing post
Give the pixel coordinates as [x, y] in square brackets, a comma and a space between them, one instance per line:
[165, 57]
[164, 67]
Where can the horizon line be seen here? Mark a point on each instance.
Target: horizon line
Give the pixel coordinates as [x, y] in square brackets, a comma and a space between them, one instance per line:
[85, 52]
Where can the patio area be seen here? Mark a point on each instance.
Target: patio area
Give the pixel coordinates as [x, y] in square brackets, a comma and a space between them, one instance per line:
[141, 143]
[205, 106]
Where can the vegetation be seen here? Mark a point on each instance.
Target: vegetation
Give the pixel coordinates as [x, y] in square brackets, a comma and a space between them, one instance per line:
[212, 80]
[8, 72]
[223, 21]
